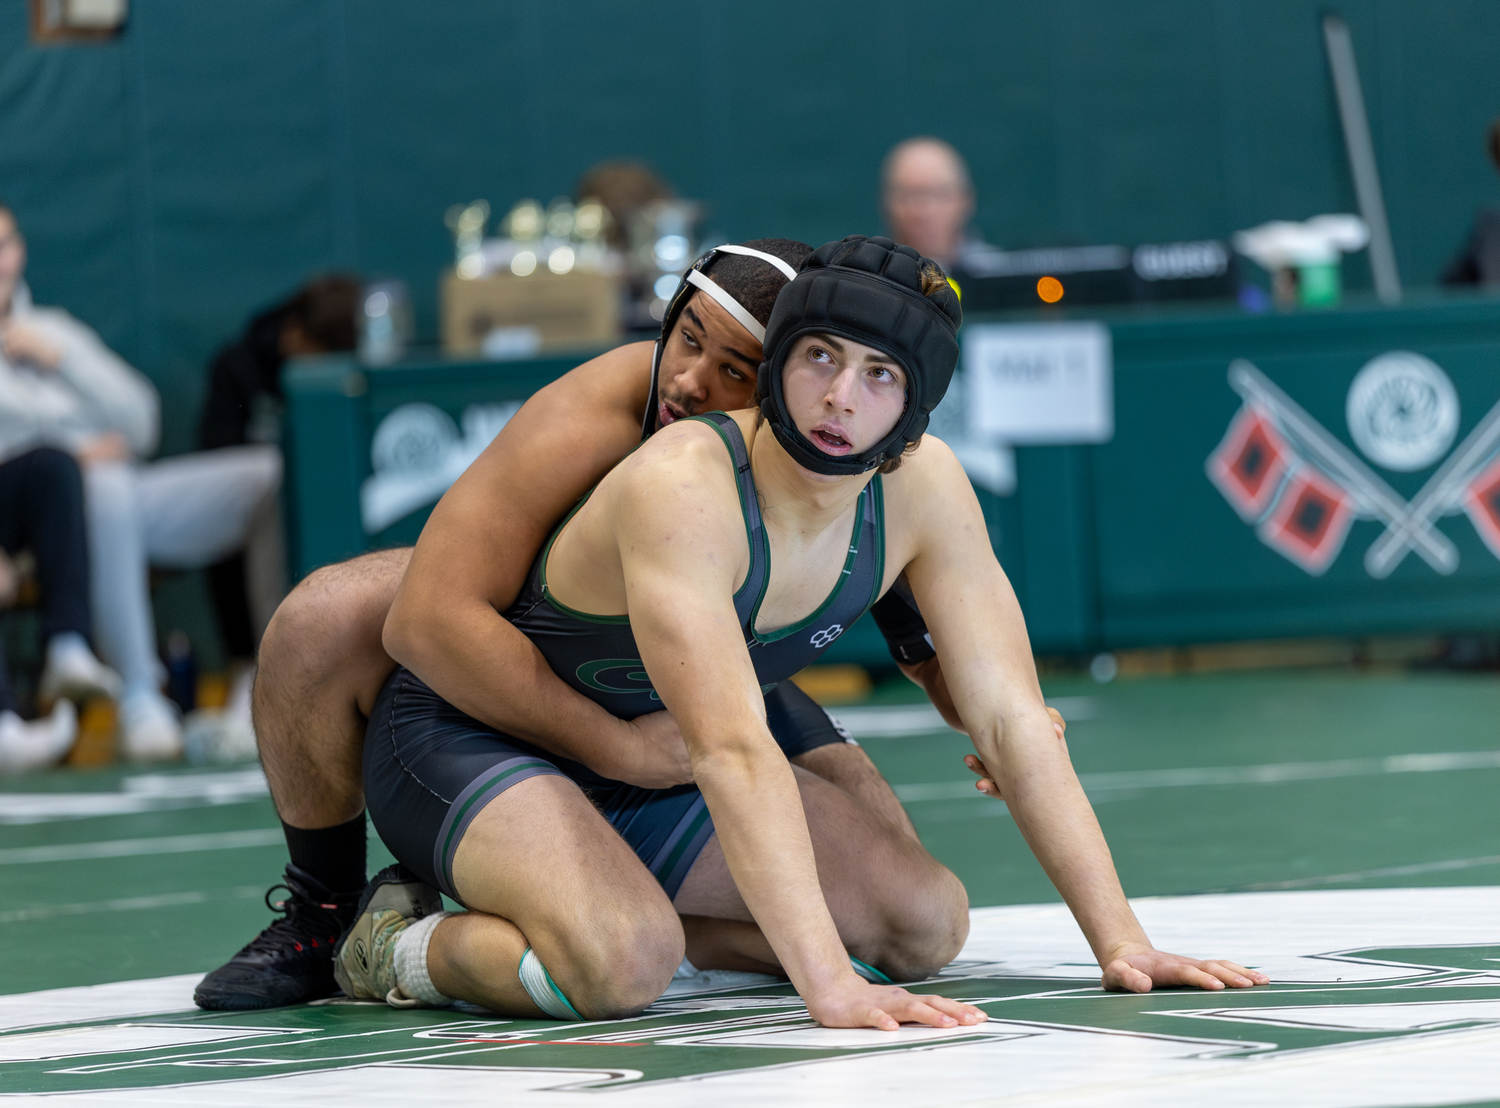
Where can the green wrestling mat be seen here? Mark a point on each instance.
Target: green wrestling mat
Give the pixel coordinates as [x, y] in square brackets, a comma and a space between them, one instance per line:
[1336, 831]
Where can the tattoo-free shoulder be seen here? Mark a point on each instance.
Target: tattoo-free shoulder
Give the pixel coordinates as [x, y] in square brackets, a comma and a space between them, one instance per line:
[688, 446]
[929, 492]
[618, 380]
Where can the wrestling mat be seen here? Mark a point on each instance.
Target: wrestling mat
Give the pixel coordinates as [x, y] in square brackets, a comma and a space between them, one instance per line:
[1379, 997]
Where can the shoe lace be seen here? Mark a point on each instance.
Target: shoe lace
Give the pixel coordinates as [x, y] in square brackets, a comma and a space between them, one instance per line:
[304, 923]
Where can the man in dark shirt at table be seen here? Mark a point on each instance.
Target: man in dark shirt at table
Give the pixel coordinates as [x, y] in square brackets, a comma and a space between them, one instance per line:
[245, 401]
[1479, 261]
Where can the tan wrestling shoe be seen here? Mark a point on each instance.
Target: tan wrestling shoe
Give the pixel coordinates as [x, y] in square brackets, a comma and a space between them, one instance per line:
[364, 963]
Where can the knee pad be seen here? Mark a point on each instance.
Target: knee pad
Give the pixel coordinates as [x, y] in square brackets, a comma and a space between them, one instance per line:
[543, 990]
[868, 972]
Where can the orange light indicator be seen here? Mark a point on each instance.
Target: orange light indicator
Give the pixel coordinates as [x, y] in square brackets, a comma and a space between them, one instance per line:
[1049, 289]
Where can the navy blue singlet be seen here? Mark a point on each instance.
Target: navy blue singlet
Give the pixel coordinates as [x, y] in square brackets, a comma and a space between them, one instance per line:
[597, 655]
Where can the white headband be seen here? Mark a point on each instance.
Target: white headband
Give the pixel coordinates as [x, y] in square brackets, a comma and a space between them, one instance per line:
[750, 252]
[729, 303]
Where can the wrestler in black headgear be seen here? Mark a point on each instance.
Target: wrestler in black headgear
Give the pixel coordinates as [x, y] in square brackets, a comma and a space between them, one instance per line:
[868, 290]
[698, 279]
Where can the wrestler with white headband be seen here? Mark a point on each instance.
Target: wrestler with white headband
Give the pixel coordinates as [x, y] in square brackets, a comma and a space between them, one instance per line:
[659, 410]
[330, 647]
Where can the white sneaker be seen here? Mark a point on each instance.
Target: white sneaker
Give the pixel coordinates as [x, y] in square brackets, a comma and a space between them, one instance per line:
[74, 673]
[150, 730]
[216, 736]
[41, 742]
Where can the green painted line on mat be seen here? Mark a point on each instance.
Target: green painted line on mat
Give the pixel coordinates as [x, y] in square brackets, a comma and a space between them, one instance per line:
[1273, 774]
[126, 848]
[131, 904]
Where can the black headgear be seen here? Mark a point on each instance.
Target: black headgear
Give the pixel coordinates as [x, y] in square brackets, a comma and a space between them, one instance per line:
[868, 290]
[696, 279]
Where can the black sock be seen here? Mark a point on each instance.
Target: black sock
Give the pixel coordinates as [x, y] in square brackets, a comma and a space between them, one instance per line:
[333, 855]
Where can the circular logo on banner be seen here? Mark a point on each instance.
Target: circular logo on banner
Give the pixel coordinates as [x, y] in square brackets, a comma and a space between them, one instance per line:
[415, 438]
[1402, 411]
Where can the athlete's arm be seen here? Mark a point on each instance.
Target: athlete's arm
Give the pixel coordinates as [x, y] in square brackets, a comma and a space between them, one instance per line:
[475, 553]
[896, 616]
[979, 633]
[680, 538]
[906, 634]
[928, 676]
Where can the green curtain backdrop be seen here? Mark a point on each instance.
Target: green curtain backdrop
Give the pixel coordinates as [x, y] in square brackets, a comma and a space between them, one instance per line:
[173, 181]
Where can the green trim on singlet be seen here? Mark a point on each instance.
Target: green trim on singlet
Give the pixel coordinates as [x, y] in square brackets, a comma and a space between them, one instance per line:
[765, 545]
[753, 534]
[587, 617]
[878, 496]
[589, 673]
[457, 820]
[590, 617]
[838, 586]
[739, 488]
[685, 840]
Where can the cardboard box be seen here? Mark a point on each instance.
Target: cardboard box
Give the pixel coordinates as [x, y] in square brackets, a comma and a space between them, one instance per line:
[569, 309]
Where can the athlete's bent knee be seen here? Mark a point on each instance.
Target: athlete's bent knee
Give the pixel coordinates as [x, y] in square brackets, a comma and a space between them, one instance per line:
[928, 930]
[310, 617]
[622, 968]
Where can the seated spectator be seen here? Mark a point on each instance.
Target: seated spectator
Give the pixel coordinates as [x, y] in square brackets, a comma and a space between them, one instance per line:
[928, 200]
[244, 405]
[1479, 261]
[61, 386]
[41, 510]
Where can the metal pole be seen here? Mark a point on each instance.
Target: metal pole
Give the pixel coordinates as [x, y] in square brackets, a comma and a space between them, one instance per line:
[1362, 157]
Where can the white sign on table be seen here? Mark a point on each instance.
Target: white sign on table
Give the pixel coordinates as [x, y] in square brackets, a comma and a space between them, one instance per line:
[1035, 383]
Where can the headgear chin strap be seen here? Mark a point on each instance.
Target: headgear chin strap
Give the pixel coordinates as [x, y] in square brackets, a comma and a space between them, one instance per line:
[696, 279]
[868, 290]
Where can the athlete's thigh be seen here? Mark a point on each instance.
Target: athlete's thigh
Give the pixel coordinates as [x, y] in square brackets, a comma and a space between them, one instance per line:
[543, 857]
[321, 666]
[499, 825]
[323, 645]
[864, 863]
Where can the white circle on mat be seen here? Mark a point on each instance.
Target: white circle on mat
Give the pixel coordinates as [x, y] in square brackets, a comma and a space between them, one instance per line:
[1402, 411]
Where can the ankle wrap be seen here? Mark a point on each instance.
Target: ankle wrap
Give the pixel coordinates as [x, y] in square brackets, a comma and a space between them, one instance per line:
[411, 962]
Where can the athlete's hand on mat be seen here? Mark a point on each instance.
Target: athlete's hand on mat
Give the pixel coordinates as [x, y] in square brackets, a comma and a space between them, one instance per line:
[854, 1002]
[656, 757]
[987, 783]
[1137, 969]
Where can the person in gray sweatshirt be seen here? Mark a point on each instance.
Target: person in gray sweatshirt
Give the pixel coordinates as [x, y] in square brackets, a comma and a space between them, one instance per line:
[61, 386]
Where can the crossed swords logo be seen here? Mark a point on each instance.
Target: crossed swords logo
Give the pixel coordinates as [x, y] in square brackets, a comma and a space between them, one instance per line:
[1409, 525]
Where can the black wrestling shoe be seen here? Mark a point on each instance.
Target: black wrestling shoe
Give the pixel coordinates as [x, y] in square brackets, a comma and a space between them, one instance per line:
[291, 961]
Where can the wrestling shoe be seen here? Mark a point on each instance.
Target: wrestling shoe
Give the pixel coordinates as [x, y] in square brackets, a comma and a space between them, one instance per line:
[291, 961]
[364, 964]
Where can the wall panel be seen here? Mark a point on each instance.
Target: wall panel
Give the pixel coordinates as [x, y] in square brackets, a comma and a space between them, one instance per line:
[172, 182]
